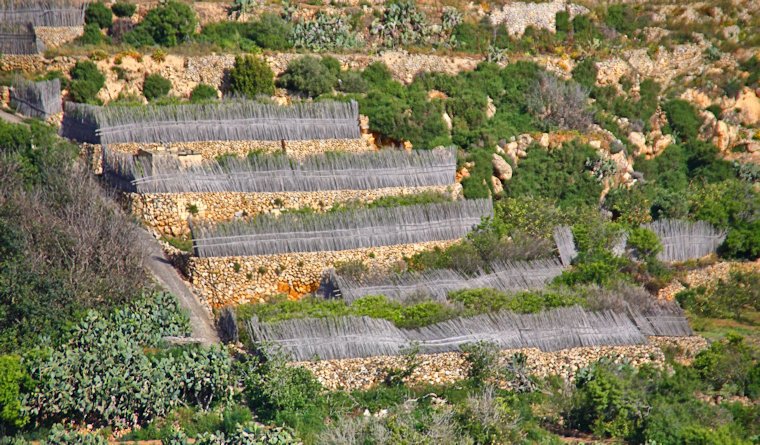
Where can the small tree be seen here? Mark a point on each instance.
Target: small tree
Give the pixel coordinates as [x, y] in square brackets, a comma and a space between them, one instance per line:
[644, 243]
[123, 9]
[309, 76]
[156, 86]
[91, 35]
[168, 25]
[251, 76]
[99, 14]
[559, 103]
[202, 92]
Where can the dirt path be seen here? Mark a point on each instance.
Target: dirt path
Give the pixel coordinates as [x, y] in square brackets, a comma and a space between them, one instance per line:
[161, 268]
[10, 118]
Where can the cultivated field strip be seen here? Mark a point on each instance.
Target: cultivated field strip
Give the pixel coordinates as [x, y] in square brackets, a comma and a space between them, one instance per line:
[350, 171]
[229, 120]
[19, 39]
[36, 99]
[335, 231]
[352, 337]
[437, 284]
[43, 13]
[685, 240]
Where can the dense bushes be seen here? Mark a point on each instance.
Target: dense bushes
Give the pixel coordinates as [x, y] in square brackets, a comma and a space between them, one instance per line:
[13, 380]
[559, 104]
[325, 32]
[168, 24]
[683, 119]
[270, 31]
[86, 81]
[156, 86]
[91, 35]
[98, 14]
[728, 298]
[202, 92]
[310, 76]
[251, 76]
[123, 9]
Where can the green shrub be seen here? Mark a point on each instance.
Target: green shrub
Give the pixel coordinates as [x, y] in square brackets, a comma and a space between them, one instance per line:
[728, 299]
[86, 81]
[352, 82]
[271, 31]
[168, 24]
[156, 86]
[59, 435]
[644, 243]
[377, 74]
[743, 241]
[683, 118]
[602, 268]
[123, 9]
[472, 37]
[482, 358]
[562, 20]
[309, 76]
[251, 76]
[583, 27]
[325, 32]
[203, 92]
[629, 206]
[98, 14]
[620, 18]
[730, 364]
[13, 380]
[91, 35]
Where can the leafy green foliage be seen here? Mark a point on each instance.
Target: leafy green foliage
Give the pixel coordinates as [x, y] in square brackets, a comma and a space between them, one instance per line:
[98, 14]
[203, 92]
[743, 241]
[308, 75]
[472, 37]
[644, 242]
[168, 24]
[559, 175]
[683, 118]
[86, 81]
[123, 9]
[156, 86]
[13, 379]
[271, 31]
[562, 20]
[59, 435]
[585, 72]
[91, 35]
[402, 23]
[251, 76]
[731, 365]
[728, 299]
[250, 433]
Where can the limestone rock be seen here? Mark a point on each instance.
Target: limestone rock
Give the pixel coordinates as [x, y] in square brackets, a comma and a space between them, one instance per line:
[748, 105]
[490, 108]
[447, 121]
[501, 168]
[544, 140]
[638, 140]
[497, 187]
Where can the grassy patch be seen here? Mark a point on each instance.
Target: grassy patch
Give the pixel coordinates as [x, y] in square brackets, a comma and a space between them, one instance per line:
[183, 244]
[715, 329]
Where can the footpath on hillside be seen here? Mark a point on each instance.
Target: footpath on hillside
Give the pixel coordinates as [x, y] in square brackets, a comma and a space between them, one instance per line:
[159, 265]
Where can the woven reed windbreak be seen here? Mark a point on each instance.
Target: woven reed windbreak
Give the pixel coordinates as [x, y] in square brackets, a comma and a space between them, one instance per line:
[352, 171]
[43, 13]
[229, 120]
[343, 230]
[19, 39]
[36, 99]
[686, 240]
[352, 337]
[563, 237]
[437, 284]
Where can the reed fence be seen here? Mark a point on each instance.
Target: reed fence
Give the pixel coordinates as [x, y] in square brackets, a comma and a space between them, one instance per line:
[36, 99]
[228, 120]
[355, 171]
[563, 237]
[437, 284]
[686, 240]
[19, 39]
[43, 13]
[351, 337]
[335, 231]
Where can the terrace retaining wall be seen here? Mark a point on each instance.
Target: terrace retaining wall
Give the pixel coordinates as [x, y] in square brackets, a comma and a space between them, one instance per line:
[449, 367]
[168, 213]
[236, 280]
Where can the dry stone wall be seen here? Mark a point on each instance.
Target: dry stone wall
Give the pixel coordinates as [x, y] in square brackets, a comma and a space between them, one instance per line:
[168, 213]
[55, 36]
[213, 149]
[236, 280]
[517, 16]
[364, 373]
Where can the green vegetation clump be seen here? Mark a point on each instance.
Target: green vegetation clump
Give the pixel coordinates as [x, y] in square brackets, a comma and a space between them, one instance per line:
[251, 76]
[91, 35]
[168, 25]
[729, 298]
[156, 86]
[202, 92]
[86, 81]
[123, 9]
[98, 14]
[310, 76]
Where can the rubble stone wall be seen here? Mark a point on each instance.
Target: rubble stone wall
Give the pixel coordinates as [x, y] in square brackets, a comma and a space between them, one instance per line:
[236, 280]
[55, 36]
[168, 213]
[364, 373]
